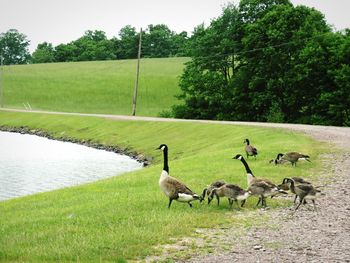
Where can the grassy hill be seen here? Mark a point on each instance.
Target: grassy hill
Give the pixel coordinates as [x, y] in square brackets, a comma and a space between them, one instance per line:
[94, 87]
[125, 217]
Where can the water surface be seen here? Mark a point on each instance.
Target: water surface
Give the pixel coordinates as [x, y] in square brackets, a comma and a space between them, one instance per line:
[30, 164]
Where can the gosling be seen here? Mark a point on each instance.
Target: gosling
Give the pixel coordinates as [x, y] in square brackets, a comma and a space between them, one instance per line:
[208, 189]
[233, 192]
[304, 192]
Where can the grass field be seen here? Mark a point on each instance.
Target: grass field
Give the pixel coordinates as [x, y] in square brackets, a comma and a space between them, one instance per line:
[94, 87]
[125, 217]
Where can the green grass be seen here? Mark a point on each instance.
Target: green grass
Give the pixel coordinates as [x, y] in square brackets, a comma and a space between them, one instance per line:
[125, 217]
[94, 87]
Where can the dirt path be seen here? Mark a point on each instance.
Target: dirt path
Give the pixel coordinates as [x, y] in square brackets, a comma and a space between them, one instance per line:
[305, 235]
[302, 236]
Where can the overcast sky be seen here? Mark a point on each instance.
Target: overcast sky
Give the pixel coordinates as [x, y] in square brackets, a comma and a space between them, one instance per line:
[62, 21]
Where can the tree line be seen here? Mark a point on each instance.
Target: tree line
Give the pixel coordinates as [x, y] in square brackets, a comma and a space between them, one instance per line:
[157, 41]
[267, 60]
[260, 60]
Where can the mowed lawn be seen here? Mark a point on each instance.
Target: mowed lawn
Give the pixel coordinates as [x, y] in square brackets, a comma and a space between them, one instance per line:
[94, 87]
[126, 217]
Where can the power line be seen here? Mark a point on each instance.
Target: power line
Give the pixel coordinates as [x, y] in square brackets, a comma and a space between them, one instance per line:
[263, 48]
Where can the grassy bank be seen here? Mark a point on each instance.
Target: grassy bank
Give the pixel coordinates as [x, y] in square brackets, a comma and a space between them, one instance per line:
[126, 216]
[94, 87]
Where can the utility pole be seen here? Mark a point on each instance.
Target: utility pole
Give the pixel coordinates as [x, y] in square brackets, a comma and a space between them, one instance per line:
[1, 81]
[137, 75]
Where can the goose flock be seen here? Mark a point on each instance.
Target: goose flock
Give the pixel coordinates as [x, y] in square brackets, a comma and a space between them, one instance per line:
[262, 188]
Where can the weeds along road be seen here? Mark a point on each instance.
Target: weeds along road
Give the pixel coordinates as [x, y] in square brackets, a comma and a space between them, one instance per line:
[288, 236]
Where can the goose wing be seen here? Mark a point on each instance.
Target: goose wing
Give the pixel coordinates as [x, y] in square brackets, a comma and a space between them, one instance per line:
[300, 180]
[265, 181]
[262, 184]
[251, 149]
[234, 187]
[180, 187]
[306, 187]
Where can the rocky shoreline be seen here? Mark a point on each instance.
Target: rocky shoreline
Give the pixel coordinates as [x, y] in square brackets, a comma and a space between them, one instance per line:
[89, 143]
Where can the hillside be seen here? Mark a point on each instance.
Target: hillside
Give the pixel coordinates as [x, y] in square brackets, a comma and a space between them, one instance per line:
[94, 87]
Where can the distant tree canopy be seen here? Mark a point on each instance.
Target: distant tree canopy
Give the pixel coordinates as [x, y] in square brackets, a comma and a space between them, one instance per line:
[14, 48]
[157, 41]
[261, 60]
[266, 60]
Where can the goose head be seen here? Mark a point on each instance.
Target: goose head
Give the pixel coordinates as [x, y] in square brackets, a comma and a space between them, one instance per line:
[238, 157]
[279, 156]
[246, 141]
[162, 147]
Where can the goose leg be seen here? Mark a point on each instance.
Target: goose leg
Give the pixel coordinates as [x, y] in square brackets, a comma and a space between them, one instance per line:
[217, 198]
[313, 201]
[190, 204]
[295, 198]
[243, 202]
[170, 201]
[263, 201]
[258, 201]
[300, 202]
[230, 201]
[237, 204]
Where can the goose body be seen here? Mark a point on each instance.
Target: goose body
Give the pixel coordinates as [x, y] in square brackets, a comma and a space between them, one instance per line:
[250, 149]
[285, 185]
[259, 186]
[304, 192]
[232, 192]
[172, 187]
[292, 157]
[209, 188]
[278, 159]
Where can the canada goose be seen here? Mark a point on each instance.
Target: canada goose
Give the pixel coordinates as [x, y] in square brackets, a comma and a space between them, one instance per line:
[208, 189]
[286, 185]
[231, 191]
[278, 159]
[250, 149]
[293, 157]
[304, 191]
[173, 188]
[259, 186]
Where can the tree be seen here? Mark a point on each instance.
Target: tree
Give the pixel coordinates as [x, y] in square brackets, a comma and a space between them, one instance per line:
[268, 61]
[44, 53]
[206, 83]
[157, 41]
[284, 63]
[65, 52]
[94, 45]
[14, 47]
[179, 44]
[128, 43]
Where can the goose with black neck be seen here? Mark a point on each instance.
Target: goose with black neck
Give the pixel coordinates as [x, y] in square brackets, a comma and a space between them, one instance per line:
[172, 187]
[259, 186]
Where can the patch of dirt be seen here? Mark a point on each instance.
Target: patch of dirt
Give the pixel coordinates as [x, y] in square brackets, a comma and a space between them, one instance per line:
[305, 235]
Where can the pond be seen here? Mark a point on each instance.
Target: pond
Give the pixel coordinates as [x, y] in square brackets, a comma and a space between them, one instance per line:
[31, 164]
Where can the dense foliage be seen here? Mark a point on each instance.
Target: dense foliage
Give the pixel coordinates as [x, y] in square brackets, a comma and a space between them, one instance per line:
[157, 41]
[266, 60]
[263, 60]
[14, 47]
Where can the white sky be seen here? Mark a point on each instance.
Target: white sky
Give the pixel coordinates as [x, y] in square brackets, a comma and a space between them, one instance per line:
[62, 21]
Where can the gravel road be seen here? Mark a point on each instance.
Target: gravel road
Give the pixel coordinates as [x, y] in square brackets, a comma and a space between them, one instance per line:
[302, 236]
